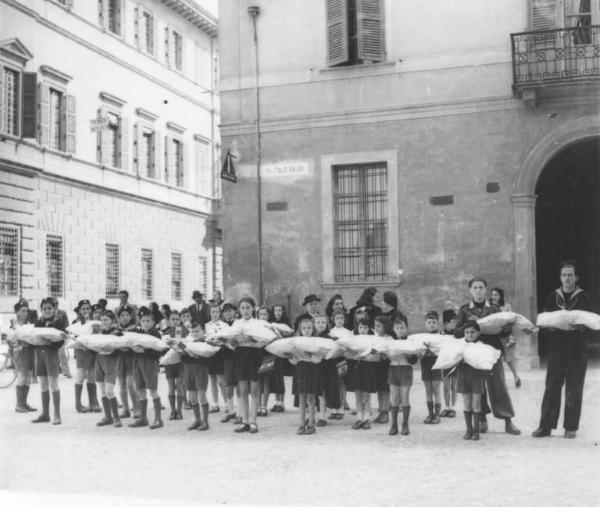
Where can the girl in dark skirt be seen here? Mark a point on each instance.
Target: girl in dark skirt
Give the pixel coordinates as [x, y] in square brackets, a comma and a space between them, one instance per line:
[283, 368]
[363, 381]
[267, 378]
[330, 379]
[307, 383]
[471, 384]
[345, 367]
[383, 327]
[174, 372]
[246, 363]
[216, 367]
[400, 379]
[228, 316]
[85, 360]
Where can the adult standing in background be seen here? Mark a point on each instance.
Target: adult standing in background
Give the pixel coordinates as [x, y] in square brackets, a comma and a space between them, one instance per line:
[508, 342]
[125, 304]
[389, 306]
[567, 360]
[311, 307]
[365, 303]
[199, 310]
[335, 304]
[500, 400]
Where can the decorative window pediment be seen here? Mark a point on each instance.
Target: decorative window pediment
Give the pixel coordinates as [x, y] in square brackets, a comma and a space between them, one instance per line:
[15, 50]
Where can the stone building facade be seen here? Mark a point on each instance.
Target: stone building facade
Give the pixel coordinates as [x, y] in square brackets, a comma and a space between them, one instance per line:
[108, 149]
[410, 148]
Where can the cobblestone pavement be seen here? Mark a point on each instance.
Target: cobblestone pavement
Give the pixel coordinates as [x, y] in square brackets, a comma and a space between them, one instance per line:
[76, 462]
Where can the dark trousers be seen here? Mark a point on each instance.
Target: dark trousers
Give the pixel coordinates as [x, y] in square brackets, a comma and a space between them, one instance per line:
[495, 385]
[564, 367]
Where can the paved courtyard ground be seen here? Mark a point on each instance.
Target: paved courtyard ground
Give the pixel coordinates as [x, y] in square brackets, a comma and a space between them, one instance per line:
[80, 464]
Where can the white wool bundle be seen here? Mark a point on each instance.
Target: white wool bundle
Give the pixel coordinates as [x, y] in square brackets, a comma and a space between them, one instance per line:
[199, 349]
[39, 336]
[432, 341]
[480, 355]
[101, 343]
[321, 347]
[361, 347]
[90, 327]
[449, 353]
[282, 330]
[170, 358]
[494, 323]
[281, 348]
[340, 332]
[144, 341]
[396, 349]
[566, 320]
[259, 330]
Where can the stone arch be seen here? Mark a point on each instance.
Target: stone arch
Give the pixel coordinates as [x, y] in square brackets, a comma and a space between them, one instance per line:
[523, 202]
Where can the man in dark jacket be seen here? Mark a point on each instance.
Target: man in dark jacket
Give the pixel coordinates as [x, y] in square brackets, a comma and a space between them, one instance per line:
[494, 379]
[200, 310]
[567, 360]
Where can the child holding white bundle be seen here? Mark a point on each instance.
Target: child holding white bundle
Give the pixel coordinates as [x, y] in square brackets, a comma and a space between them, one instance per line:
[215, 363]
[363, 381]
[307, 383]
[471, 384]
[146, 373]
[174, 372]
[265, 375]
[23, 360]
[449, 376]
[228, 316]
[46, 364]
[106, 367]
[330, 379]
[282, 367]
[125, 322]
[85, 362]
[339, 319]
[400, 378]
[431, 378]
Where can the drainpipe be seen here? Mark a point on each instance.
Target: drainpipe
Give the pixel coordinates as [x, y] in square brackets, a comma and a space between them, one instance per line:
[254, 11]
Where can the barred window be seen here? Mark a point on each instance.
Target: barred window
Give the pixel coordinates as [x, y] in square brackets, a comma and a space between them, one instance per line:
[113, 270]
[112, 140]
[56, 116]
[218, 259]
[176, 276]
[148, 32]
[54, 265]
[361, 222]
[10, 101]
[114, 16]
[9, 261]
[204, 274]
[147, 273]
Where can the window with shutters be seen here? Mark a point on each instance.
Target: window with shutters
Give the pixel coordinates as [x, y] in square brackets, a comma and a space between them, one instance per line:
[360, 222]
[147, 273]
[203, 273]
[146, 154]
[9, 261]
[10, 101]
[218, 260]
[54, 265]
[148, 32]
[111, 15]
[112, 140]
[55, 109]
[177, 41]
[355, 32]
[203, 166]
[176, 276]
[113, 270]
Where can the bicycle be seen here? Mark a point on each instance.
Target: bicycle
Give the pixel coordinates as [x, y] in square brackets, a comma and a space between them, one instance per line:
[8, 372]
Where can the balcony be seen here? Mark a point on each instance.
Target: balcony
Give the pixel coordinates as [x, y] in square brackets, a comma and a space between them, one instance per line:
[554, 57]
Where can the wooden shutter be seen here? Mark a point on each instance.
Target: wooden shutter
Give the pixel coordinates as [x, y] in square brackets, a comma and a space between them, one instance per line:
[70, 124]
[337, 32]
[104, 141]
[168, 157]
[137, 23]
[543, 14]
[120, 19]
[152, 162]
[102, 13]
[43, 114]
[29, 105]
[184, 161]
[137, 137]
[167, 47]
[124, 143]
[157, 158]
[2, 99]
[370, 23]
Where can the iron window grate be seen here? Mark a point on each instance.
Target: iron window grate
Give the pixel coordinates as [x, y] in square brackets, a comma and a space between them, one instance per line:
[204, 274]
[147, 273]
[360, 222]
[176, 276]
[55, 265]
[9, 261]
[113, 270]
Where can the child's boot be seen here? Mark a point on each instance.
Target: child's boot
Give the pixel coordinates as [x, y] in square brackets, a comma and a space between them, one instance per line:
[25, 404]
[157, 419]
[476, 417]
[196, 424]
[107, 419]
[405, 414]
[179, 415]
[436, 414]
[429, 417]
[93, 397]
[78, 406]
[204, 424]
[469, 423]
[45, 415]
[56, 403]
[394, 426]
[125, 413]
[142, 420]
[173, 414]
[114, 407]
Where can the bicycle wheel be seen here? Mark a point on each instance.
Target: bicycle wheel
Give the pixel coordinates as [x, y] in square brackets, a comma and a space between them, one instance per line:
[7, 371]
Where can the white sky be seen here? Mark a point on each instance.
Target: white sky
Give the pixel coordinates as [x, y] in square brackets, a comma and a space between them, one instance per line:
[211, 6]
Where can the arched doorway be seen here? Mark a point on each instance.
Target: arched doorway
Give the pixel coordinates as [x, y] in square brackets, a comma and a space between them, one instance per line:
[567, 219]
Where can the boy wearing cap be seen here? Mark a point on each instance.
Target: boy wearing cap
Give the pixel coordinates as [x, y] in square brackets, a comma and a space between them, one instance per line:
[431, 378]
[145, 367]
[311, 305]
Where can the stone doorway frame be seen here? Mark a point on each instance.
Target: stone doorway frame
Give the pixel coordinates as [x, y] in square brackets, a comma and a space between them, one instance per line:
[523, 201]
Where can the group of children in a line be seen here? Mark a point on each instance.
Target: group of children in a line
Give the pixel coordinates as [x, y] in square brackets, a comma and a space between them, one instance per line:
[247, 374]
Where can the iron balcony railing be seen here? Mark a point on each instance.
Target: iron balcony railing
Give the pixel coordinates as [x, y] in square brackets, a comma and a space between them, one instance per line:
[555, 56]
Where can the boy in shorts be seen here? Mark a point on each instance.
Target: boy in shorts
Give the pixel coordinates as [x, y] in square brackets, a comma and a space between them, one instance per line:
[431, 378]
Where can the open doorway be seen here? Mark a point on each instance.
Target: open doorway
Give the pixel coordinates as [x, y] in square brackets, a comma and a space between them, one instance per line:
[567, 222]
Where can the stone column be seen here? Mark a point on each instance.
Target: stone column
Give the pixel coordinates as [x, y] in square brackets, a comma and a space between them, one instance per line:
[525, 274]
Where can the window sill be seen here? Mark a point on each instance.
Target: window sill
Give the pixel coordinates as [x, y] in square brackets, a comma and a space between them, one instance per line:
[389, 284]
[359, 69]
